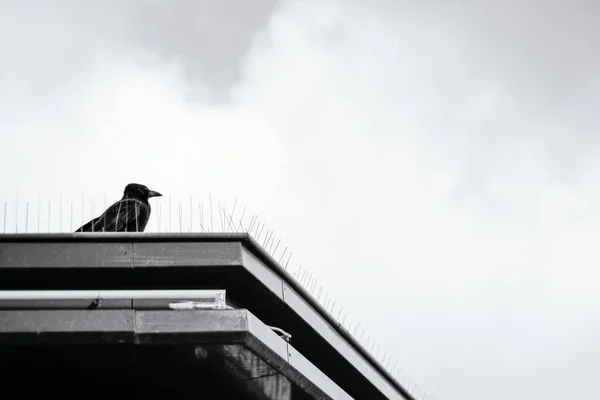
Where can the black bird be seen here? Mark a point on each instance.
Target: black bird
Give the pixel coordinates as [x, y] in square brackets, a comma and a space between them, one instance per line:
[130, 214]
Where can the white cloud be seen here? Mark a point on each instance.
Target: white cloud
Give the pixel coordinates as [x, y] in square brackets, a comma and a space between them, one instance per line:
[400, 152]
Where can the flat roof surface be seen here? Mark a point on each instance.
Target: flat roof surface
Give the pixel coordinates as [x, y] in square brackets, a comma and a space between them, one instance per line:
[235, 262]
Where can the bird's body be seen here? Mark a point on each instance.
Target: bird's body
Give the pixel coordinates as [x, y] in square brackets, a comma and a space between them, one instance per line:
[130, 214]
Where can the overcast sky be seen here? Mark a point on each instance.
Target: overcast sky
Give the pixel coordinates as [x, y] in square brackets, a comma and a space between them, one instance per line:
[435, 164]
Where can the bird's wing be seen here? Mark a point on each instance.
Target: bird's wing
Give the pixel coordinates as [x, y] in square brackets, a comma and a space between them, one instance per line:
[118, 216]
[88, 226]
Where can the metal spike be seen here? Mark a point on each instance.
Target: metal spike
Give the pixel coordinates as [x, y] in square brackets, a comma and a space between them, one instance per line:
[241, 219]
[271, 246]
[4, 220]
[305, 279]
[39, 211]
[201, 216]
[311, 284]
[71, 227]
[82, 209]
[282, 255]
[221, 213]
[267, 238]
[349, 326]
[258, 226]
[48, 215]
[356, 329]
[319, 292]
[252, 221]
[270, 243]
[309, 280]
[180, 217]
[211, 213]
[350, 321]
[256, 222]
[288, 260]
[17, 214]
[260, 233]
[275, 251]
[314, 286]
[222, 216]
[191, 214]
[60, 213]
[225, 219]
[169, 221]
[233, 210]
[255, 228]
[26, 217]
[229, 221]
[303, 276]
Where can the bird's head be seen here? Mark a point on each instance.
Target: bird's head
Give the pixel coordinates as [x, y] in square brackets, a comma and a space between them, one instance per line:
[136, 190]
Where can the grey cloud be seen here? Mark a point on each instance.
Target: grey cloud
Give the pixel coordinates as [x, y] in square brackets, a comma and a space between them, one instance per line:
[434, 164]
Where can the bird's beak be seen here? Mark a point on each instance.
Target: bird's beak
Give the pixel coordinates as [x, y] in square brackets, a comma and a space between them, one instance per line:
[152, 193]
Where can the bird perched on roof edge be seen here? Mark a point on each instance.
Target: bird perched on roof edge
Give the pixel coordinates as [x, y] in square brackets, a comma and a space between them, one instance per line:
[130, 214]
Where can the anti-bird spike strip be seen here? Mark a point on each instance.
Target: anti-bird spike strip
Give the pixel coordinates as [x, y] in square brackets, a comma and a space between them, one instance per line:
[230, 222]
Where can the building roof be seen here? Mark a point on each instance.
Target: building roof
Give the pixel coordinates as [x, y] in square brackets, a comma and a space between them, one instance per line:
[256, 285]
